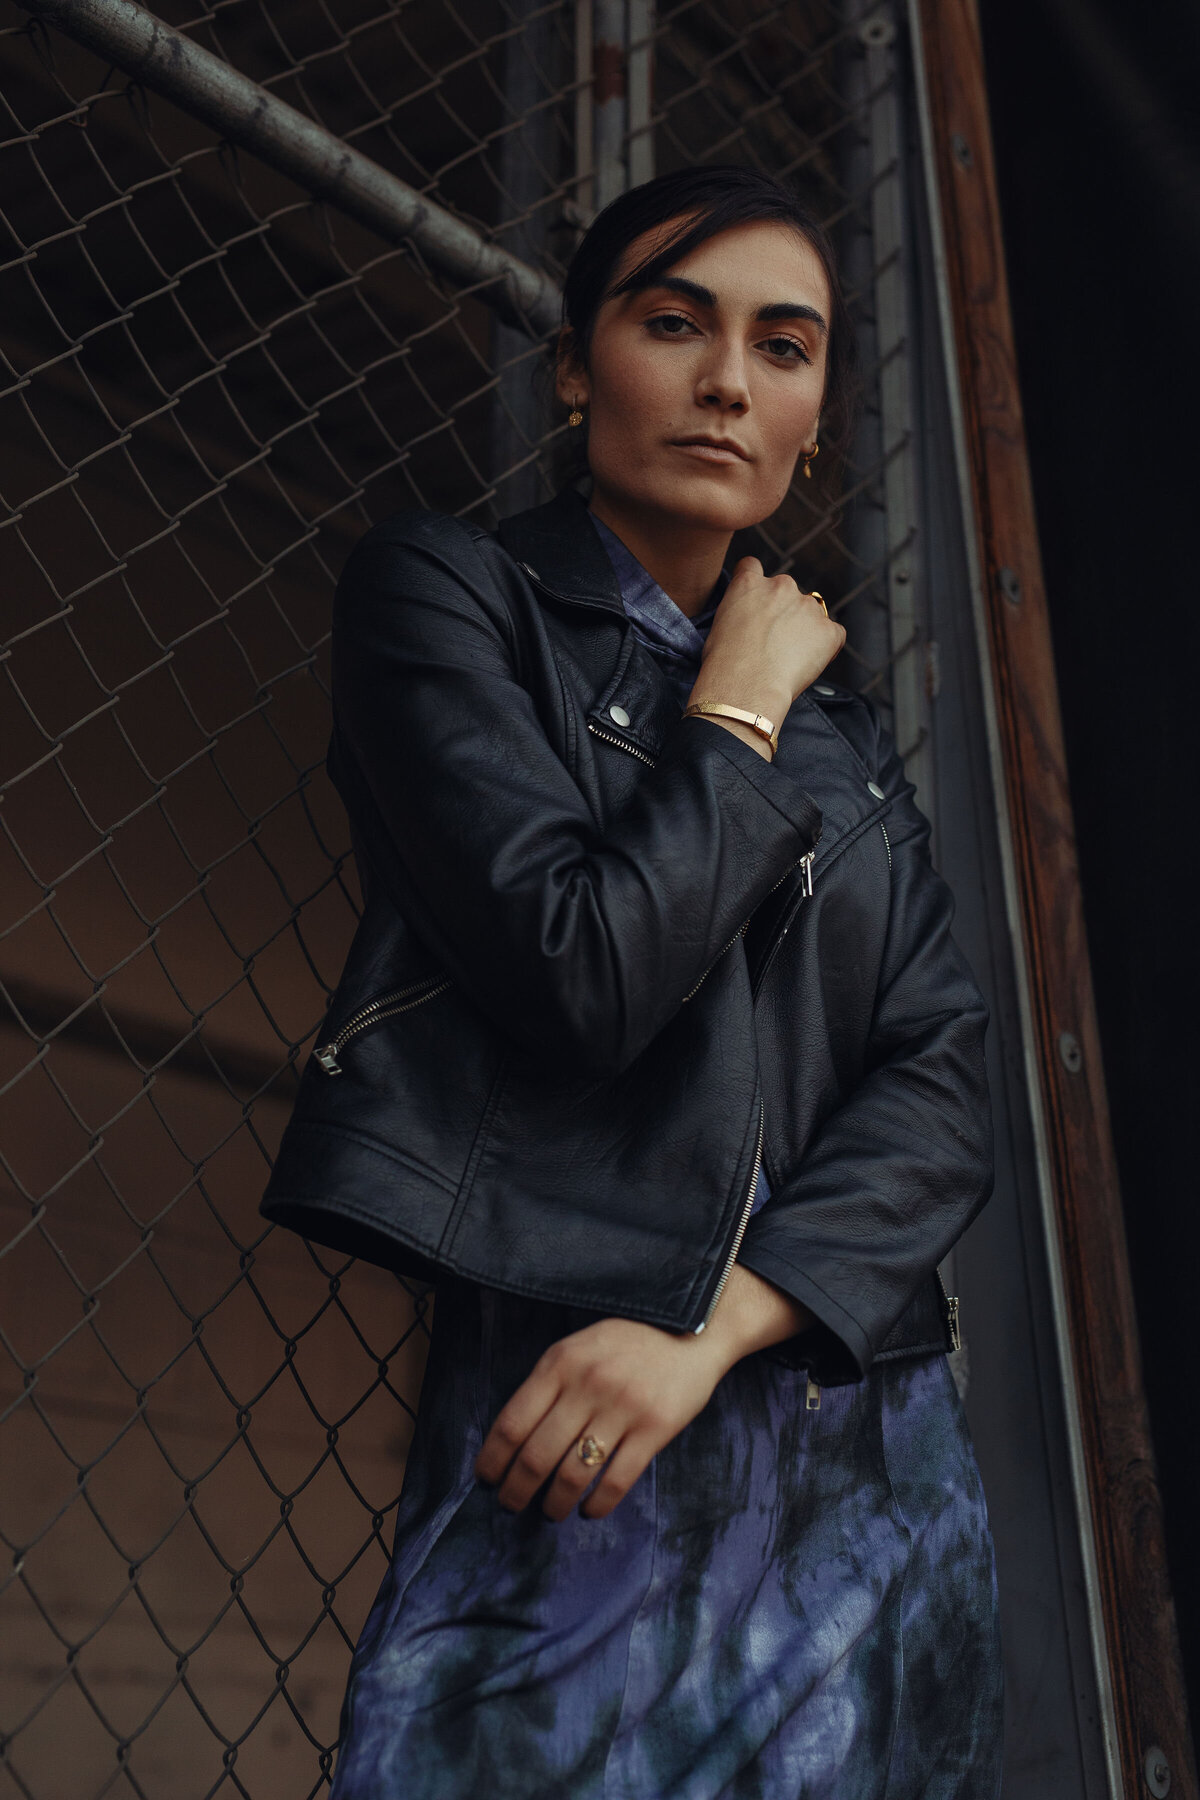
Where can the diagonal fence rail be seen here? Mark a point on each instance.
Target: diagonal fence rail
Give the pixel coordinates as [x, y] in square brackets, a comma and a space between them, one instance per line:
[166, 61]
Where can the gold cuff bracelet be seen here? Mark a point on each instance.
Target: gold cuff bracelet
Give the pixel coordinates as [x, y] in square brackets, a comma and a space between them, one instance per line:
[700, 709]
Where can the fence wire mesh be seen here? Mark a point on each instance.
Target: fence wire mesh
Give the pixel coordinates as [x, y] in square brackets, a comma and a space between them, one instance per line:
[211, 386]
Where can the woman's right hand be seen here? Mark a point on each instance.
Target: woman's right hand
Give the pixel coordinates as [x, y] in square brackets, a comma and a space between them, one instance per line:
[768, 641]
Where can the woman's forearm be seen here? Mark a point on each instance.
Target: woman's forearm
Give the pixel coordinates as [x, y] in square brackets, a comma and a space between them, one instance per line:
[752, 1314]
[632, 1387]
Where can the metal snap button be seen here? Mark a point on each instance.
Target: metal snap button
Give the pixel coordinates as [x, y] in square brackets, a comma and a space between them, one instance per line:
[873, 787]
[820, 688]
[618, 715]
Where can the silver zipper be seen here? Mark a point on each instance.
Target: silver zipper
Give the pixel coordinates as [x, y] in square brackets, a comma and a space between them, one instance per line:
[806, 886]
[630, 749]
[887, 841]
[736, 1245]
[950, 1308]
[386, 1007]
[740, 932]
[804, 864]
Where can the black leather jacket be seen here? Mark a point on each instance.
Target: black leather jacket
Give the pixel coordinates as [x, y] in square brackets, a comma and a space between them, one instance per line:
[610, 956]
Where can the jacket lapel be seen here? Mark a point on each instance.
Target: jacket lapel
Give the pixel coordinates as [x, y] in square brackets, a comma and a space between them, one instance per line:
[560, 551]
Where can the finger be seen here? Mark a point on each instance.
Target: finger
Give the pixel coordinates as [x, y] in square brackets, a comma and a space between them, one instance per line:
[746, 565]
[631, 1460]
[539, 1455]
[574, 1475]
[521, 1415]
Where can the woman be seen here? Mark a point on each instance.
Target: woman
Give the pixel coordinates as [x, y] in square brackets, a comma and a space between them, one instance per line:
[654, 1050]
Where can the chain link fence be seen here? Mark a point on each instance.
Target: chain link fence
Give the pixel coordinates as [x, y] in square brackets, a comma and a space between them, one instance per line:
[211, 385]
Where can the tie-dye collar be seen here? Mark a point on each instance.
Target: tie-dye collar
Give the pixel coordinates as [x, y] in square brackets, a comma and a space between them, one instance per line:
[657, 622]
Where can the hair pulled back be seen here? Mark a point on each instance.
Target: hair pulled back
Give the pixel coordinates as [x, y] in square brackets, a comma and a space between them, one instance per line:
[703, 202]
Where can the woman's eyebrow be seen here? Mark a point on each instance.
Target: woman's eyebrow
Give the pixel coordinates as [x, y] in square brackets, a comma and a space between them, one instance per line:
[766, 315]
[789, 309]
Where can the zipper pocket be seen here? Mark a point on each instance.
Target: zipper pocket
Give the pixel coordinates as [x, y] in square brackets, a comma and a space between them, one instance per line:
[629, 749]
[804, 863]
[740, 1233]
[386, 1007]
[950, 1312]
[887, 841]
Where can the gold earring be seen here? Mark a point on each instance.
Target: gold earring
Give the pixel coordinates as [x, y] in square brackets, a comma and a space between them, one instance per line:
[576, 417]
[808, 457]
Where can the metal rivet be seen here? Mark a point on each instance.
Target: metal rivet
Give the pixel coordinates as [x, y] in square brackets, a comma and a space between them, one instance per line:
[819, 687]
[1157, 1771]
[618, 715]
[960, 150]
[876, 33]
[1010, 586]
[873, 787]
[1070, 1051]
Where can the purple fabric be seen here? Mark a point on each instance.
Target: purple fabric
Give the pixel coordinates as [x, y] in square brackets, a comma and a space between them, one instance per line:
[675, 641]
[790, 1604]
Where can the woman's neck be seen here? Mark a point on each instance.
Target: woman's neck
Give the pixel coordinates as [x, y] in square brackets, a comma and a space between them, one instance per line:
[685, 561]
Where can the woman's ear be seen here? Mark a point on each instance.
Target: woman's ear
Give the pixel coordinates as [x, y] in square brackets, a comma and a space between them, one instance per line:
[570, 376]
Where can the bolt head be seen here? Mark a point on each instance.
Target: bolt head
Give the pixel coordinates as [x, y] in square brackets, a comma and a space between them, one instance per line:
[1157, 1771]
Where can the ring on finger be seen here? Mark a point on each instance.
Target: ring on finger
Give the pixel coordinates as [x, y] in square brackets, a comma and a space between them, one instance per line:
[591, 1451]
[813, 595]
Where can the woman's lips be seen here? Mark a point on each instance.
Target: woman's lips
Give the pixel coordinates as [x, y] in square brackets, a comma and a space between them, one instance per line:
[710, 452]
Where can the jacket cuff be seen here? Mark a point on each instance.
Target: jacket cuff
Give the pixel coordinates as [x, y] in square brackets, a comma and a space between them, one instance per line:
[836, 1349]
[795, 804]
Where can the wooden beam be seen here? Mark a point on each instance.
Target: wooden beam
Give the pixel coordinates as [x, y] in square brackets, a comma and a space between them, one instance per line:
[1148, 1699]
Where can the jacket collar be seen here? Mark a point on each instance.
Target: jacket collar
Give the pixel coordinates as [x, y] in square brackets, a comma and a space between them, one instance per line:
[561, 551]
[559, 548]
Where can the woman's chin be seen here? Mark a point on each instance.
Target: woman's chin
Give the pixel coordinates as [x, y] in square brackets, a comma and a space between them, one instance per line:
[703, 504]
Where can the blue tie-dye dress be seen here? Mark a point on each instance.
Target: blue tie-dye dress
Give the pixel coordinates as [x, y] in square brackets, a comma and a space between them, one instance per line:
[796, 1601]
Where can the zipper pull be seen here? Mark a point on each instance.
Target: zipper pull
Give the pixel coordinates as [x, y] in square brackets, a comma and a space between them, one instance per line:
[326, 1055]
[812, 1395]
[952, 1324]
[806, 863]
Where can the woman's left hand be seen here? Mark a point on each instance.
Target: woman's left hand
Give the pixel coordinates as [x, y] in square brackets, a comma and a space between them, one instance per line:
[630, 1386]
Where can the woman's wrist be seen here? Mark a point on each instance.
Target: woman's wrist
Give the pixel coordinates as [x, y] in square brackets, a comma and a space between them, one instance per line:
[752, 1314]
[751, 694]
[742, 688]
[747, 733]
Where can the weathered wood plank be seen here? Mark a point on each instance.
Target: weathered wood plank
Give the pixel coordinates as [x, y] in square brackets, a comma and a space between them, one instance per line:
[1148, 1690]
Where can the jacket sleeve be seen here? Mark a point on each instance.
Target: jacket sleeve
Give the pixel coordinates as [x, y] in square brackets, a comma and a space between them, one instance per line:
[578, 943]
[897, 1172]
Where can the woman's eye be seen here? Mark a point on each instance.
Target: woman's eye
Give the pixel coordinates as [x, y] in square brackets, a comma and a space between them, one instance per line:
[788, 349]
[671, 324]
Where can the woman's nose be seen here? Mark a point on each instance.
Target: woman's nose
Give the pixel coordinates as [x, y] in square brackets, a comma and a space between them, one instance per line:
[723, 383]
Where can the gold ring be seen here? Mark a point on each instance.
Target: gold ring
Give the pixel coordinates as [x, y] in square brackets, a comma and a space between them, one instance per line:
[591, 1452]
[813, 595]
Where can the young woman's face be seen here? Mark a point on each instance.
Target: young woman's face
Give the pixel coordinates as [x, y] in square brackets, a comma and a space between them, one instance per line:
[702, 391]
